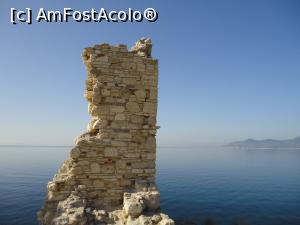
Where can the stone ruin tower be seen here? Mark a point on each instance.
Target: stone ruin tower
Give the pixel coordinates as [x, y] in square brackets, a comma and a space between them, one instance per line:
[110, 175]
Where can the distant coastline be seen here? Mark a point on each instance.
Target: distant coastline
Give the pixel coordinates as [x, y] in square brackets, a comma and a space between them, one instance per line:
[267, 144]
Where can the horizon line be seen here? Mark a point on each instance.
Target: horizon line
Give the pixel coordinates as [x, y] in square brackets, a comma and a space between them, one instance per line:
[59, 146]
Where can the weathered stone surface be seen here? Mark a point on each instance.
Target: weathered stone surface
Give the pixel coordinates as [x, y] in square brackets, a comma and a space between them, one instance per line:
[143, 47]
[70, 211]
[95, 168]
[133, 205]
[110, 175]
[75, 152]
[132, 107]
[152, 200]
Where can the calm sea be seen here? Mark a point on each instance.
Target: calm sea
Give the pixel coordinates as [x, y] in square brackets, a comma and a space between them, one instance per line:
[255, 187]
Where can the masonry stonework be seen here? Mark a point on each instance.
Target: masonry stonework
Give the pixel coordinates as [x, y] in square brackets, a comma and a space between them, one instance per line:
[110, 175]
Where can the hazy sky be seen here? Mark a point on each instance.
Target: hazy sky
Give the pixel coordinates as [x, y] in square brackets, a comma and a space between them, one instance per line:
[229, 70]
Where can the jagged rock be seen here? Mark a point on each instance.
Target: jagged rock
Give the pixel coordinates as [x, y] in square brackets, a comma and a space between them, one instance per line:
[142, 220]
[143, 47]
[166, 220]
[133, 205]
[75, 152]
[71, 211]
[152, 200]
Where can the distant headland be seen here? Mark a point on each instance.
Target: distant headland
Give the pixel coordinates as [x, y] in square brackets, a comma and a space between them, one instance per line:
[267, 143]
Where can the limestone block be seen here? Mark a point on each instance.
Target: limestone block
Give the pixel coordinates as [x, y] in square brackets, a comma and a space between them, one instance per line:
[76, 170]
[140, 94]
[150, 156]
[75, 152]
[156, 218]
[120, 116]
[71, 211]
[152, 200]
[100, 110]
[91, 154]
[145, 220]
[124, 135]
[52, 186]
[120, 100]
[152, 120]
[105, 92]
[132, 107]
[91, 109]
[83, 163]
[108, 169]
[166, 220]
[120, 164]
[143, 47]
[136, 119]
[141, 67]
[102, 59]
[99, 123]
[95, 168]
[115, 93]
[86, 182]
[132, 155]
[117, 109]
[141, 220]
[100, 215]
[137, 171]
[118, 143]
[88, 95]
[149, 171]
[153, 94]
[149, 107]
[151, 142]
[129, 81]
[110, 152]
[98, 184]
[132, 221]
[132, 98]
[133, 205]
[55, 196]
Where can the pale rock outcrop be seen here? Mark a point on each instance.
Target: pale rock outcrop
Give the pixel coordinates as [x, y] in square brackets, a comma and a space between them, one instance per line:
[110, 175]
[143, 47]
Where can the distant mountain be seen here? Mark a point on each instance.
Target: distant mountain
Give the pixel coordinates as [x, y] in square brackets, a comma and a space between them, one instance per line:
[267, 143]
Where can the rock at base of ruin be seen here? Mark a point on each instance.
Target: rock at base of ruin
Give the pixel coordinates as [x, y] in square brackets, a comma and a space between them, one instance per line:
[109, 177]
[139, 208]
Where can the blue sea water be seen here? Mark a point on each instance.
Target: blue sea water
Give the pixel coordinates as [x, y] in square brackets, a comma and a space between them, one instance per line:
[255, 187]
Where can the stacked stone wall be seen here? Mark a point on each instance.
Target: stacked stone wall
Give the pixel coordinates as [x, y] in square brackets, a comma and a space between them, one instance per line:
[117, 153]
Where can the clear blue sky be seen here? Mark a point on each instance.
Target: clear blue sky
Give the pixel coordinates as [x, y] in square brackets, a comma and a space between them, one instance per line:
[229, 70]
